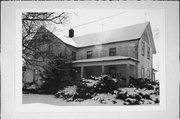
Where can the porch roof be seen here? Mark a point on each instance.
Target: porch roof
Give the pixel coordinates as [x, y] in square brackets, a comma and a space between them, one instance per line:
[103, 59]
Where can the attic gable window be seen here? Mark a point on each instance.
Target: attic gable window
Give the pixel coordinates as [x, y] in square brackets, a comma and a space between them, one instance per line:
[112, 52]
[89, 54]
[142, 48]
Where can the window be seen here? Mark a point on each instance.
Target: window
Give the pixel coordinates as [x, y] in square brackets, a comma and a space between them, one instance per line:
[142, 72]
[73, 55]
[143, 48]
[148, 53]
[89, 54]
[112, 52]
[148, 74]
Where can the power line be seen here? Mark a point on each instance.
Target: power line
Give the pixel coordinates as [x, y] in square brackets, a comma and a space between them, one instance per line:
[96, 20]
[145, 17]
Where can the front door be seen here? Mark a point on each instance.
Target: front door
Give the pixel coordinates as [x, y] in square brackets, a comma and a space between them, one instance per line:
[112, 71]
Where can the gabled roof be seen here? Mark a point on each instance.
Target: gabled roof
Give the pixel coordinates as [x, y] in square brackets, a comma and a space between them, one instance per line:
[122, 34]
[150, 35]
[127, 33]
[64, 39]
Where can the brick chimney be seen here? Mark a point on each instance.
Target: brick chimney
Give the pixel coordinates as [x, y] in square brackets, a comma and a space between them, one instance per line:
[71, 33]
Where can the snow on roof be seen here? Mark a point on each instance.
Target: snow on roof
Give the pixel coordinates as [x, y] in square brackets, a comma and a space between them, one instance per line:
[112, 58]
[121, 34]
[65, 39]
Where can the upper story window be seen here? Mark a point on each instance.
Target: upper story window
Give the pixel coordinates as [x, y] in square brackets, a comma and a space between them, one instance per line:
[89, 54]
[112, 52]
[73, 55]
[148, 53]
[142, 48]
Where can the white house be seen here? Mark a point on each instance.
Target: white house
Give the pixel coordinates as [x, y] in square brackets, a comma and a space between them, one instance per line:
[121, 53]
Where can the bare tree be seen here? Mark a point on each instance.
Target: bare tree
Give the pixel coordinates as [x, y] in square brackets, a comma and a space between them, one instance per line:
[31, 21]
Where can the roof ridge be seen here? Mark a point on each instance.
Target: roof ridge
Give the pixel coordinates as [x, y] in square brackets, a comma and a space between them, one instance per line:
[146, 23]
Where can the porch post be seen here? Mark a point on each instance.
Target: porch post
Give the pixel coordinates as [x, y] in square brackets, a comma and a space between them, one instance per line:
[127, 74]
[102, 69]
[82, 71]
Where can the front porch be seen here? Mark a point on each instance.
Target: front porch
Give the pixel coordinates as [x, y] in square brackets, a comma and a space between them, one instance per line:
[119, 67]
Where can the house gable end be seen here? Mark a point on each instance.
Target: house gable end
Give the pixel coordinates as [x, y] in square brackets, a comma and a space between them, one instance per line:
[46, 44]
[50, 36]
[147, 36]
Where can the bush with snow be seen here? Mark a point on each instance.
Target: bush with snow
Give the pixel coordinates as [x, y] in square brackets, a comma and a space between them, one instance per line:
[67, 93]
[105, 98]
[107, 85]
[134, 96]
[84, 91]
[88, 88]
[30, 87]
[131, 101]
[143, 83]
[104, 89]
[121, 94]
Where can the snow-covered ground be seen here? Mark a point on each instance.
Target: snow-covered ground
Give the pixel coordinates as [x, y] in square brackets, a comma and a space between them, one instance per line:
[50, 99]
[97, 91]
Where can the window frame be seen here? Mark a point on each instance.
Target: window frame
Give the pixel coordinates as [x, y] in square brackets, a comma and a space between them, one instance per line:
[142, 72]
[112, 51]
[148, 52]
[148, 74]
[89, 55]
[143, 48]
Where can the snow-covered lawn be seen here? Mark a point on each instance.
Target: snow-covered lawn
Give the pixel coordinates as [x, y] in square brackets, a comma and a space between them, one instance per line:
[99, 99]
[50, 99]
[99, 91]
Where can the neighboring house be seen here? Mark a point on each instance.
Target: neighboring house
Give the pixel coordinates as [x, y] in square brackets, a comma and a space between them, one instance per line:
[120, 53]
